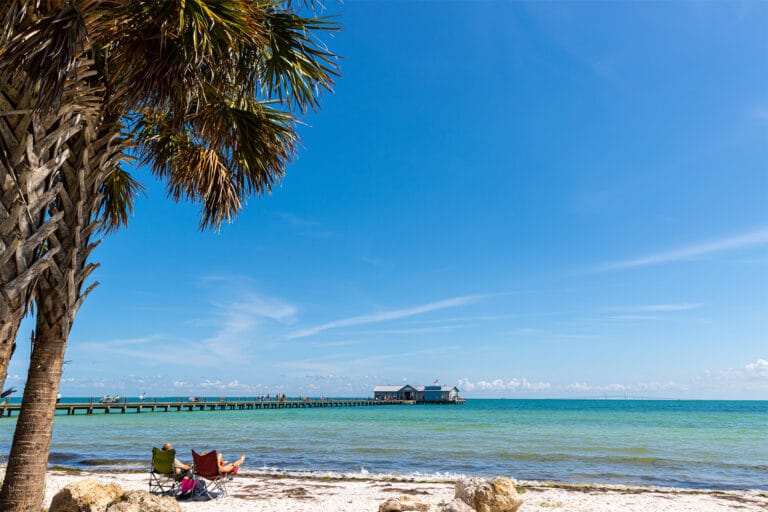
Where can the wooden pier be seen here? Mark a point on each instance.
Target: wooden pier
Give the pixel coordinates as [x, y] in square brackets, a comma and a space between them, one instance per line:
[222, 404]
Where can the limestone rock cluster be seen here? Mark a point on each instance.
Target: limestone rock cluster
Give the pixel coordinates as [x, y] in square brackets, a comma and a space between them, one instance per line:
[403, 504]
[497, 494]
[91, 496]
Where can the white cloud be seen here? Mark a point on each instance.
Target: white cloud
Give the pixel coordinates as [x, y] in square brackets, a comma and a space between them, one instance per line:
[578, 386]
[755, 371]
[513, 384]
[583, 386]
[386, 315]
[624, 389]
[741, 241]
[758, 369]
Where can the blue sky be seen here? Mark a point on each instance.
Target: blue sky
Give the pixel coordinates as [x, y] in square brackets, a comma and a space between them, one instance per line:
[521, 199]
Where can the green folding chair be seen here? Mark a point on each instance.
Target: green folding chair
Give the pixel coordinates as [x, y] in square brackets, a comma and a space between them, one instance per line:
[163, 478]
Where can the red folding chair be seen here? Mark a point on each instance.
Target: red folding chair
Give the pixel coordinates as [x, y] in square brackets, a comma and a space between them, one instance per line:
[206, 466]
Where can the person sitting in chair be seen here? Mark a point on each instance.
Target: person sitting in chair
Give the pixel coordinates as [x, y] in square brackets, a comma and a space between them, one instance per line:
[178, 466]
[225, 467]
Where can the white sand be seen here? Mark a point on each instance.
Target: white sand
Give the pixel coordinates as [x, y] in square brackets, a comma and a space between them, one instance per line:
[257, 493]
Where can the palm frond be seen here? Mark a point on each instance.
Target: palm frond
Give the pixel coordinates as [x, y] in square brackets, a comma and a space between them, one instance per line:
[118, 195]
[241, 145]
[183, 45]
[48, 49]
[193, 172]
[205, 175]
[215, 19]
[258, 139]
[212, 84]
[16, 14]
[296, 64]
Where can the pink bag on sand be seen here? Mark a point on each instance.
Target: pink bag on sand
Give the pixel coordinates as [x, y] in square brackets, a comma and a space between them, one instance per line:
[187, 485]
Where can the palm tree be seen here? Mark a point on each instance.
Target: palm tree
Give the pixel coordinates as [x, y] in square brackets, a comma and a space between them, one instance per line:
[23, 227]
[34, 130]
[209, 90]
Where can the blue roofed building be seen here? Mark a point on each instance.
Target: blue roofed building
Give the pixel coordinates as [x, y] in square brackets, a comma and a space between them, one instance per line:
[420, 394]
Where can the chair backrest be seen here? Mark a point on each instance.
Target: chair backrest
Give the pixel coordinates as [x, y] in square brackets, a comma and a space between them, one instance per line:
[206, 465]
[162, 461]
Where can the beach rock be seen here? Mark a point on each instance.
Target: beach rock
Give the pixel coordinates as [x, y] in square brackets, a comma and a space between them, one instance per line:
[86, 495]
[457, 505]
[495, 495]
[402, 504]
[142, 501]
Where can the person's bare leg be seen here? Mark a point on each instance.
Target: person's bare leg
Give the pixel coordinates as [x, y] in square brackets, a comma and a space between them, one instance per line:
[231, 467]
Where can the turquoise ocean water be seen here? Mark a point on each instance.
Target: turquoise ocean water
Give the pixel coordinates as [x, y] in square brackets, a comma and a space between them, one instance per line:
[695, 444]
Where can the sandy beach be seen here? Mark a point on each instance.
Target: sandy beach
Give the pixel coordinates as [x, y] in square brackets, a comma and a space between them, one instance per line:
[273, 493]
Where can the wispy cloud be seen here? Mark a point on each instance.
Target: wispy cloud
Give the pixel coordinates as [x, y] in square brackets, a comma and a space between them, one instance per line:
[312, 366]
[464, 319]
[260, 306]
[527, 331]
[237, 321]
[298, 221]
[336, 363]
[413, 330]
[741, 241]
[306, 227]
[547, 334]
[123, 342]
[164, 351]
[632, 318]
[658, 308]
[761, 113]
[384, 316]
[226, 331]
[336, 344]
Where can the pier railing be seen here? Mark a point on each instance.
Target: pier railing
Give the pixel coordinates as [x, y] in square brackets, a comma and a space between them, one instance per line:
[124, 406]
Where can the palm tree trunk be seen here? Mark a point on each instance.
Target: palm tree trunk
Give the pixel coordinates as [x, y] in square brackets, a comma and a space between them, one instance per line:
[57, 295]
[24, 485]
[93, 155]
